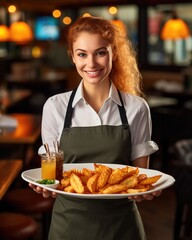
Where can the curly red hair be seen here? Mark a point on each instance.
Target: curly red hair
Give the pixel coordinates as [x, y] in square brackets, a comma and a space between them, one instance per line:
[125, 74]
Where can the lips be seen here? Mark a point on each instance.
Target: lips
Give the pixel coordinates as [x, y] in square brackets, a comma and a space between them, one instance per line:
[93, 73]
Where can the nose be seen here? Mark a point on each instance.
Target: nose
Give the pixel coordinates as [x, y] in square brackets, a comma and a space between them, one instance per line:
[91, 61]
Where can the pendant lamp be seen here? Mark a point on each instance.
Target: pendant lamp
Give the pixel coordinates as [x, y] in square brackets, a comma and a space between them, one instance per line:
[173, 32]
[175, 28]
[4, 33]
[20, 33]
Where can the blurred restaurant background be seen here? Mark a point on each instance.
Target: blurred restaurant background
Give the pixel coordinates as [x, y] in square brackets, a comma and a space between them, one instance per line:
[34, 65]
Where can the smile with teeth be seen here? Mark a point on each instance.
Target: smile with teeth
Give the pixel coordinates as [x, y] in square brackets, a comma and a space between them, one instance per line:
[93, 73]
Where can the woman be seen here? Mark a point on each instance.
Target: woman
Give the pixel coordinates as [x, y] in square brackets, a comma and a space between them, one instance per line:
[103, 120]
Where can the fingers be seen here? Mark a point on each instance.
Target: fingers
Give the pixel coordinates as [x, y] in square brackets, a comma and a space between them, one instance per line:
[31, 185]
[45, 193]
[54, 194]
[150, 196]
[157, 193]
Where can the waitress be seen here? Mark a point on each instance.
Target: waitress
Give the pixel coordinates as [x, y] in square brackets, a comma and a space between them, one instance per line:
[104, 120]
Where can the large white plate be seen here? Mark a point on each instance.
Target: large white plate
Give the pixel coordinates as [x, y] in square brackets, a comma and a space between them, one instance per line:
[164, 182]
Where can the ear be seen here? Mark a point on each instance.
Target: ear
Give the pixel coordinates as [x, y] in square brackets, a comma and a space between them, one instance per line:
[73, 58]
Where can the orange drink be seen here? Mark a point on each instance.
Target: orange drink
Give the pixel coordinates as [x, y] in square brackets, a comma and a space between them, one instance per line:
[48, 166]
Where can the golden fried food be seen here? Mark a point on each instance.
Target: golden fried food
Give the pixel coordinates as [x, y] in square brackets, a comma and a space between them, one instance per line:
[65, 182]
[87, 172]
[150, 180]
[133, 190]
[141, 177]
[132, 172]
[84, 179]
[116, 176]
[74, 170]
[92, 183]
[76, 183]
[116, 188]
[103, 177]
[130, 182]
[69, 189]
[106, 180]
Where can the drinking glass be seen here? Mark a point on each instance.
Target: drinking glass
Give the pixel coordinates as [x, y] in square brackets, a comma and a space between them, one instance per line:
[59, 164]
[48, 166]
[52, 165]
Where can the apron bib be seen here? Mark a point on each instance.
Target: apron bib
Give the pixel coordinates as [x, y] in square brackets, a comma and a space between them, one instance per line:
[95, 219]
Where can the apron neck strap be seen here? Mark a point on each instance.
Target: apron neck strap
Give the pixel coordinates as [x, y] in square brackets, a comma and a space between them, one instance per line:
[122, 110]
[69, 112]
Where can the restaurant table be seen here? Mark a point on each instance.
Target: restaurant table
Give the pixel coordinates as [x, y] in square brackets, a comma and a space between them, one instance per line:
[47, 86]
[9, 170]
[24, 136]
[15, 96]
[11, 98]
[181, 96]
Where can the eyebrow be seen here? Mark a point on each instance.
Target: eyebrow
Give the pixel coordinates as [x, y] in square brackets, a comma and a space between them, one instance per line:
[79, 49]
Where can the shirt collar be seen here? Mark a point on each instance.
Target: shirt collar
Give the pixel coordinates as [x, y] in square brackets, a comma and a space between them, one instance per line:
[113, 94]
[79, 95]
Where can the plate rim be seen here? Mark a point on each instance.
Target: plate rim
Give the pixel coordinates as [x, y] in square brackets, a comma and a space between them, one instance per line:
[169, 181]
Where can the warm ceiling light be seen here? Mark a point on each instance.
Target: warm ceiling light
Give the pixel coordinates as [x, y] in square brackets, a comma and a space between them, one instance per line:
[67, 20]
[20, 32]
[12, 9]
[4, 33]
[56, 13]
[36, 52]
[175, 28]
[112, 10]
[86, 15]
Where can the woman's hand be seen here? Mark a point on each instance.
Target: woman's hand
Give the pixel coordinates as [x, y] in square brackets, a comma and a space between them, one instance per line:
[143, 162]
[43, 191]
[146, 196]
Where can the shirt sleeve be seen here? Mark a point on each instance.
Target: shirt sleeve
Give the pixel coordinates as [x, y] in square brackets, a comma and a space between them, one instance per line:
[52, 122]
[141, 129]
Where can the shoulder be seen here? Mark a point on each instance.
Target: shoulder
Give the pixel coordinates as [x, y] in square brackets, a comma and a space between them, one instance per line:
[57, 103]
[61, 98]
[135, 102]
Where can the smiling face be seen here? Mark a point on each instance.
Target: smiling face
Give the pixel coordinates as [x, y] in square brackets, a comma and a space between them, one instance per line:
[92, 56]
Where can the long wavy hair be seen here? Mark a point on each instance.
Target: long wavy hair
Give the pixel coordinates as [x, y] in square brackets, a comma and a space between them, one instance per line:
[124, 74]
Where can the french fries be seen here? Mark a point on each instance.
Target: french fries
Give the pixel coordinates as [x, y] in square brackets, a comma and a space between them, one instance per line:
[106, 180]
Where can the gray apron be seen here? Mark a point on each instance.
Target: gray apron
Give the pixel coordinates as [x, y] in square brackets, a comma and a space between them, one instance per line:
[96, 219]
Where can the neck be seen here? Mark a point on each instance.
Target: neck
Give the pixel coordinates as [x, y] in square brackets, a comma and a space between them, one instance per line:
[95, 95]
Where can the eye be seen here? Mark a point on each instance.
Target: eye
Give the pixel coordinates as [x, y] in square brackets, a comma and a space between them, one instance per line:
[82, 55]
[101, 53]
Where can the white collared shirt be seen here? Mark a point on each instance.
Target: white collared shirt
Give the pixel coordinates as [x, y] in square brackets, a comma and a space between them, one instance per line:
[137, 111]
